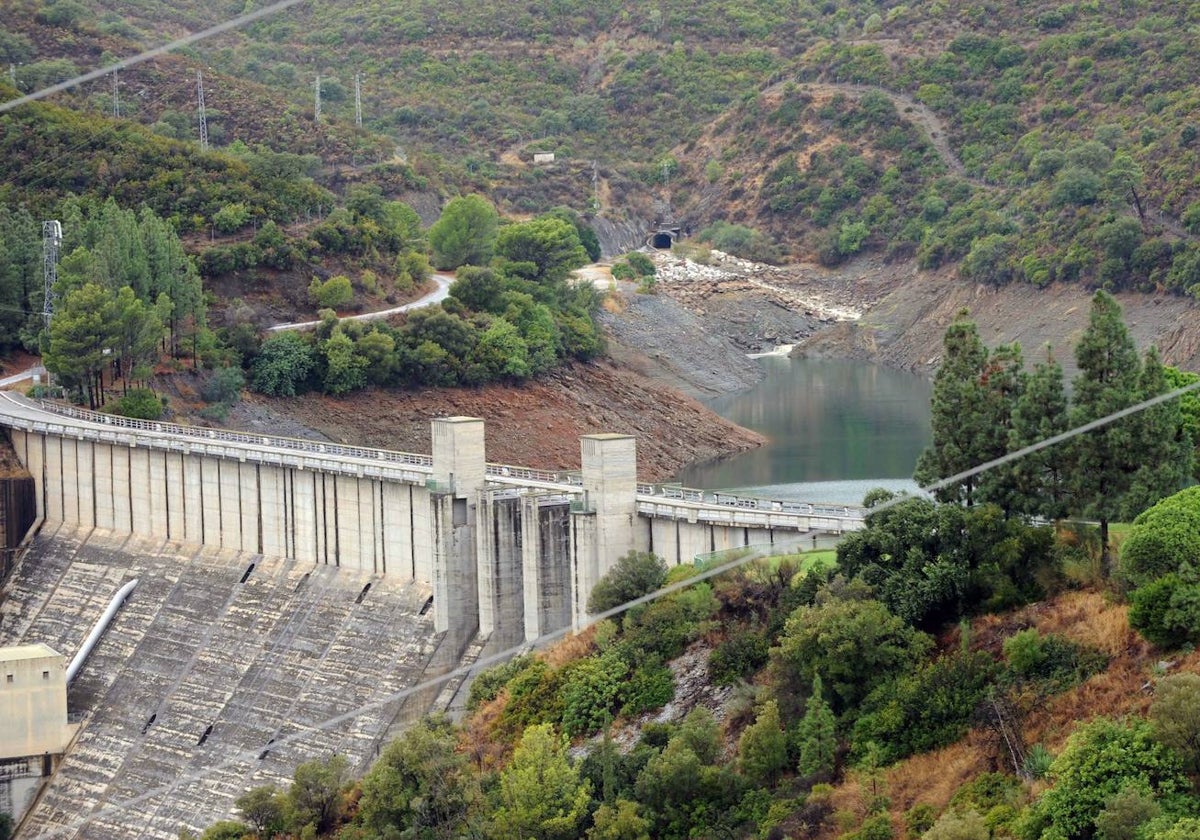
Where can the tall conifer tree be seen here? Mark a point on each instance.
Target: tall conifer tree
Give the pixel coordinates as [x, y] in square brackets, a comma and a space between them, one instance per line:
[1038, 480]
[1002, 382]
[1163, 446]
[1104, 460]
[959, 408]
[818, 738]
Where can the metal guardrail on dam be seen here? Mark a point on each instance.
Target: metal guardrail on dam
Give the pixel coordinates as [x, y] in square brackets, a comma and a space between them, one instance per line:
[670, 501]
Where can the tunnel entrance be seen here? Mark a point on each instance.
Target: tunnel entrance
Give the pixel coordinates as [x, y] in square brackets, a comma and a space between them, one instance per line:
[662, 240]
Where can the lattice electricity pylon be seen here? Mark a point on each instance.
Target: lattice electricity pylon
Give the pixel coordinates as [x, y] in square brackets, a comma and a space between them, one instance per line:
[358, 99]
[51, 240]
[200, 111]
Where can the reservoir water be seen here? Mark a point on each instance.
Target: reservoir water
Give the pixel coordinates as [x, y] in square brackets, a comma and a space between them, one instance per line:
[836, 430]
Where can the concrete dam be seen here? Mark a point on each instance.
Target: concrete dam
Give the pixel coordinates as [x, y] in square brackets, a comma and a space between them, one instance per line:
[286, 582]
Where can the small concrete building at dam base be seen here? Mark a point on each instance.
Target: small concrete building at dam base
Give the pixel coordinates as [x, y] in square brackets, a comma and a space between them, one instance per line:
[286, 583]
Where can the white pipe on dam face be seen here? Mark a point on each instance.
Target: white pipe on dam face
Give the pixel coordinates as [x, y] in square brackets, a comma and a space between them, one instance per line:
[94, 637]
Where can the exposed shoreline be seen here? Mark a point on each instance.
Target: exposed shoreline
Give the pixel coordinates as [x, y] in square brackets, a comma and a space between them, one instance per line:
[694, 339]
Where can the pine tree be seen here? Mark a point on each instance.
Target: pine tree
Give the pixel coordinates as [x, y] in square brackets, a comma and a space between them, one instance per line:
[958, 413]
[1038, 480]
[1104, 460]
[818, 740]
[172, 273]
[137, 332]
[1164, 448]
[762, 749]
[1003, 382]
[121, 251]
[20, 271]
[81, 330]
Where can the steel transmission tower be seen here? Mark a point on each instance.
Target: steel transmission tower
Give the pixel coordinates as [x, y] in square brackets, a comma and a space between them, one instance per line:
[317, 106]
[200, 111]
[358, 99]
[51, 241]
[116, 95]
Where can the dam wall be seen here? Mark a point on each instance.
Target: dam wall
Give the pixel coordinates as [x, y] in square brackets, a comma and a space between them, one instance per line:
[510, 552]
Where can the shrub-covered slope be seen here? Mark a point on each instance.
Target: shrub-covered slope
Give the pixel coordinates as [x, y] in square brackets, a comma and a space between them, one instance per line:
[1068, 132]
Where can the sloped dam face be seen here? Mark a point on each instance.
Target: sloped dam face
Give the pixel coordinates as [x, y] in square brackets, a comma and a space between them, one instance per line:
[211, 666]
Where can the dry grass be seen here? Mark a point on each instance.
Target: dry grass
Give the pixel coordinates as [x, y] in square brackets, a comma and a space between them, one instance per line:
[1085, 617]
[572, 647]
[479, 736]
[1114, 693]
[1089, 618]
[934, 777]
[613, 304]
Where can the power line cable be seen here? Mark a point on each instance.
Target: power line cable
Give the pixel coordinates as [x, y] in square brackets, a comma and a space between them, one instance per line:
[546, 638]
[141, 57]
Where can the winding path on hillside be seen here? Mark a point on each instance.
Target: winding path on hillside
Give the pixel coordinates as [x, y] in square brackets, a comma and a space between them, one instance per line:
[910, 109]
[440, 293]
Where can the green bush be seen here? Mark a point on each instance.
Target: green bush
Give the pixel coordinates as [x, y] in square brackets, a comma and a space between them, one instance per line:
[738, 657]
[986, 791]
[959, 825]
[1125, 812]
[853, 645]
[283, 365]
[217, 412]
[1167, 610]
[141, 403]
[231, 217]
[1163, 537]
[665, 627]
[878, 827]
[651, 686]
[918, 819]
[1100, 759]
[635, 574]
[1175, 713]
[1052, 661]
[740, 241]
[927, 709]
[641, 264]
[334, 293]
[534, 696]
[224, 386]
[589, 691]
[622, 270]
[487, 686]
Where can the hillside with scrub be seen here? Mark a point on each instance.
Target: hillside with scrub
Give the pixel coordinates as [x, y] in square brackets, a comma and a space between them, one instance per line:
[1024, 145]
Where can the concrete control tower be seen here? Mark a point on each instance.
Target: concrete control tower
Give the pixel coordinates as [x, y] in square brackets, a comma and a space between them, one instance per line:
[34, 731]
